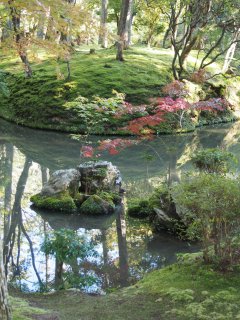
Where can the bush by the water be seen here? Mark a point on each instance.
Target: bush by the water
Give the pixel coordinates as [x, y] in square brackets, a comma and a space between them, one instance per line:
[214, 160]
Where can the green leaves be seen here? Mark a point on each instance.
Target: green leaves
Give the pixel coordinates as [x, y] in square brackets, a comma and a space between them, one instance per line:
[213, 160]
[66, 245]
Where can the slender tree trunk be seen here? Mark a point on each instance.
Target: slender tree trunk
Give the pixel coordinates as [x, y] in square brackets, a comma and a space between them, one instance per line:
[129, 24]
[165, 38]
[122, 29]
[58, 274]
[20, 39]
[230, 52]
[103, 36]
[43, 24]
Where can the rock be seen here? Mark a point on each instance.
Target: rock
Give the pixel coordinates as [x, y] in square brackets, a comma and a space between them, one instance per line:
[162, 220]
[62, 181]
[95, 205]
[101, 175]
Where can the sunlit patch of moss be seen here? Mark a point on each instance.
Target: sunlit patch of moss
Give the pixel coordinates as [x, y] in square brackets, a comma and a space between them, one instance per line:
[59, 202]
[23, 311]
[96, 206]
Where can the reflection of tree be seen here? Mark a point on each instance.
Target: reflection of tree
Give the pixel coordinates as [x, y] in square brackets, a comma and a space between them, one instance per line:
[105, 257]
[122, 247]
[16, 228]
[5, 311]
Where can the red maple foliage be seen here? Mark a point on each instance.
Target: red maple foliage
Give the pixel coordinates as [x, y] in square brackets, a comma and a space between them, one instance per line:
[217, 104]
[154, 114]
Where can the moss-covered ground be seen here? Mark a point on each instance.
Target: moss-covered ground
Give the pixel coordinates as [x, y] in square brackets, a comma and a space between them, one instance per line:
[40, 102]
[185, 291]
[33, 101]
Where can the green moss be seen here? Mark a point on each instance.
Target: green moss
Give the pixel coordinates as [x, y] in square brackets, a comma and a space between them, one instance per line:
[23, 311]
[185, 291]
[79, 199]
[111, 197]
[138, 208]
[95, 205]
[60, 202]
[40, 102]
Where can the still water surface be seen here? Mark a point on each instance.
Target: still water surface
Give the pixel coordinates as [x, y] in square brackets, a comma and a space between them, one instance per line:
[125, 248]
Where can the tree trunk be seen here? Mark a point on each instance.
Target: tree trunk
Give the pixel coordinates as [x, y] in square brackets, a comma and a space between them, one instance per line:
[5, 311]
[165, 38]
[20, 39]
[43, 24]
[103, 36]
[122, 29]
[230, 52]
[129, 24]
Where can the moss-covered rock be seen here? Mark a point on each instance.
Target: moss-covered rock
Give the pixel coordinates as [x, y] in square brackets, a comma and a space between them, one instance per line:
[95, 205]
[58, 202]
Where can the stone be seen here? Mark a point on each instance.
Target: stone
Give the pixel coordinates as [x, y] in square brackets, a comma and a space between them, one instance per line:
[62, 181]
[101, 175]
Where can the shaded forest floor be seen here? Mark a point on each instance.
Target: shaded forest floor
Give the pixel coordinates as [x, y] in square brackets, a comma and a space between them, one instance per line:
[187, 290]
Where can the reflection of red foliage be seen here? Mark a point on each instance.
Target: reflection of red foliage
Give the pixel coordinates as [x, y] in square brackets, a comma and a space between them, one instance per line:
[87, 151]
[115, 145]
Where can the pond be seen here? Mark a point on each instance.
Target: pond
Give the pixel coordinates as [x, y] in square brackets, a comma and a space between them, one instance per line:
[125, 248]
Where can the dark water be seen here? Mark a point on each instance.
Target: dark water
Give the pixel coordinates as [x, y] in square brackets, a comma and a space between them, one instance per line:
[125, 249]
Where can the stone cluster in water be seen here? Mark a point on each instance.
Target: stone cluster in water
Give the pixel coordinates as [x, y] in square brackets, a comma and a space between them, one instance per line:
[91, 188]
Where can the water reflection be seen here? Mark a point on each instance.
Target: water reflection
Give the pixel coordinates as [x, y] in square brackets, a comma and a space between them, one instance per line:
[125, 248]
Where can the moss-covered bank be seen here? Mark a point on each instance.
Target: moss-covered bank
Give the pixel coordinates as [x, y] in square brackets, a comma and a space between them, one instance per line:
[45, 101]
[185, 291]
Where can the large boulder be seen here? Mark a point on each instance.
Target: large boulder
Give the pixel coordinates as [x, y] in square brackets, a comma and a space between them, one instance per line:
[62, 181]
[101, 175]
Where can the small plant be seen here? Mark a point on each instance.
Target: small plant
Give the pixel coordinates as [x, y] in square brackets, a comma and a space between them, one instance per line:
[213, 160]
[199, 76]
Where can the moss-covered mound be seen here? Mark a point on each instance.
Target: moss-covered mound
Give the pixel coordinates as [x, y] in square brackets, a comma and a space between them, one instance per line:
[60, 202]
[95, 205]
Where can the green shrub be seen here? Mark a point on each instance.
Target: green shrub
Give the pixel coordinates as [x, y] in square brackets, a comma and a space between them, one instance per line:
[211, 205]
[213, 160]
[138, 208]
